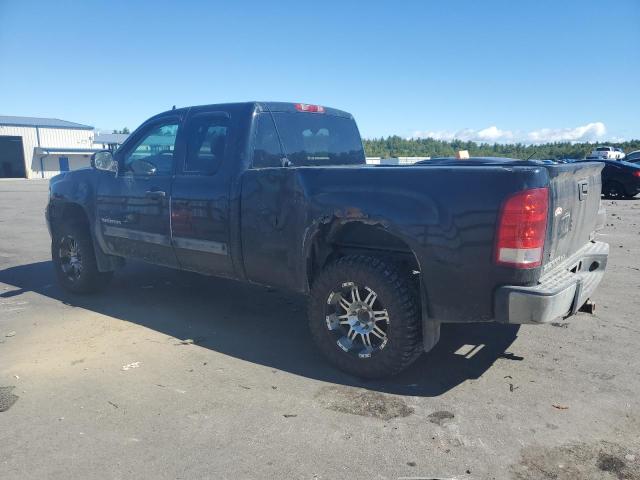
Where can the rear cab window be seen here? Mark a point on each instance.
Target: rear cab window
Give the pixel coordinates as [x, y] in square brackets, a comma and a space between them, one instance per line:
[306, 139]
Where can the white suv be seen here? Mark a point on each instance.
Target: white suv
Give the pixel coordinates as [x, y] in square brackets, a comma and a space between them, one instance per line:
[606, 153]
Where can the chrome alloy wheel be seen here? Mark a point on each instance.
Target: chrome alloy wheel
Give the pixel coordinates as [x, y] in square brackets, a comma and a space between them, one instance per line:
[357, 319]
[70, 258]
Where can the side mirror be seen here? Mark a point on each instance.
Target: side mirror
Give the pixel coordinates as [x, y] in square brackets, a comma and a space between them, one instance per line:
[103, 160]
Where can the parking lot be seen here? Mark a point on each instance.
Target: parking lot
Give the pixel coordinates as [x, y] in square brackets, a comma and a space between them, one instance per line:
[172, 375]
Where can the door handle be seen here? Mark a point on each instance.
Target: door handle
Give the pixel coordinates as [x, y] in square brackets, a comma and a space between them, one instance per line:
[155, 194]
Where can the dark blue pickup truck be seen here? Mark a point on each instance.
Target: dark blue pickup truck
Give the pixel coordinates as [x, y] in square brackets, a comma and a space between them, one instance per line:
[279, 194]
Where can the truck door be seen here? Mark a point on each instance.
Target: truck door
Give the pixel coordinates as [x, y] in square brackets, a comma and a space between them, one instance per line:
[133, 206]
[200, 221]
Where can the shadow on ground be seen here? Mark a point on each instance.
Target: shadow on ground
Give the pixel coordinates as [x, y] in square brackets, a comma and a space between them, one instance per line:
[260, 325]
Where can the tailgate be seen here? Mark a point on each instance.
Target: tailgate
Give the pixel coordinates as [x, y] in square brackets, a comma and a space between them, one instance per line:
[574, 203]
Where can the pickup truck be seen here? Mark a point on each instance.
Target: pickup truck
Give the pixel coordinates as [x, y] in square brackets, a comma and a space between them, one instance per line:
[279, 194]
[606, 153]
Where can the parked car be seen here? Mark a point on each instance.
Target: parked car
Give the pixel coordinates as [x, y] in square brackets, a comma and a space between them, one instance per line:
[279, 194]
[633, 157]
[606, 153]
[620, 179]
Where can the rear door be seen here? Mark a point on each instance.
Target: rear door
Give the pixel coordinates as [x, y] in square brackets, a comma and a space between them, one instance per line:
[574, 203]
[200, 207]
[133, 206]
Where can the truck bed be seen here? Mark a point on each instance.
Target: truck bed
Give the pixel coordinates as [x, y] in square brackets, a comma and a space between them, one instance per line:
[444, 212]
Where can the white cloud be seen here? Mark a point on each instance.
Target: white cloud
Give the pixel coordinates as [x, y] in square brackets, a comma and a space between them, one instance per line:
[585, 133]
[590, 132]
[490, 134]
[494, 134]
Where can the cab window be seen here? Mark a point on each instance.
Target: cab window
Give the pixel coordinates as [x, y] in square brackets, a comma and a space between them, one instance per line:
[206, 143]
[319, 139]
[153, 154]
[266, 147]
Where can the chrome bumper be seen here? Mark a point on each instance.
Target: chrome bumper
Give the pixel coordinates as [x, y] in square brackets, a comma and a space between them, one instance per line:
[559, 293]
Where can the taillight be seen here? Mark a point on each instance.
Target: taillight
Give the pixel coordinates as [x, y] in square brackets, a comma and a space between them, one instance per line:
[636, 174]
[305, 107]
[522, 227]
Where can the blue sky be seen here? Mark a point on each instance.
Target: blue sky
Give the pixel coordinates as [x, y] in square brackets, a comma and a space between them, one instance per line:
[481, 70]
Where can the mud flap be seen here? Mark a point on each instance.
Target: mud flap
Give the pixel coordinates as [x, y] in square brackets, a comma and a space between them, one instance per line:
[430, 326]
[430, 333]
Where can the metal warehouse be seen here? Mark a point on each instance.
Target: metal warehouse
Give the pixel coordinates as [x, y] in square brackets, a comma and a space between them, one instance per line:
[42, 147]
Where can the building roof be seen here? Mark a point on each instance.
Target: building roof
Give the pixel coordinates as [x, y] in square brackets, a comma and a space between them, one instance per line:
[41, 122]
[71, 151]
[110, 138]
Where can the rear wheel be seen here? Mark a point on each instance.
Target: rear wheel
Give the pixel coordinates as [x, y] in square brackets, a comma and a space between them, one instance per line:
[364, 317]
[614, 190]
[74, 260]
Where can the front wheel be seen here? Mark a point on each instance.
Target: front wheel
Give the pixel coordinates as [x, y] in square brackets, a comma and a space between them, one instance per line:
[74, 260]
[364, 316]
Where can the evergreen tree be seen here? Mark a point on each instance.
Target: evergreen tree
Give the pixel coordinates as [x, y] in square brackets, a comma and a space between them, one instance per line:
[395, 146]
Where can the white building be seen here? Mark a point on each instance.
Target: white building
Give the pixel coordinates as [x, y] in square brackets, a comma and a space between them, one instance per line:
[43, 147]
[395, 160]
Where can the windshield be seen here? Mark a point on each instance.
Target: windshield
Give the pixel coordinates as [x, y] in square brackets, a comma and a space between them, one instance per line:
[319, 139]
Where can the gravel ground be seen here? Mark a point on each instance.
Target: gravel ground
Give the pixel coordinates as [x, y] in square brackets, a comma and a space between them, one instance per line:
[172, 375]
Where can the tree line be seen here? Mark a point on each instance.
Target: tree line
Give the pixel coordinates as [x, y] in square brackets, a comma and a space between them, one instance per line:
[395, 146]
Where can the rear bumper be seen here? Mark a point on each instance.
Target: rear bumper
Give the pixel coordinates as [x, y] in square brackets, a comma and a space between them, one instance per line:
[560, 292]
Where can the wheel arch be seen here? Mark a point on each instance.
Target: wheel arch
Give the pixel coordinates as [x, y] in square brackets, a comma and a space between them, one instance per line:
[68, 211]
[61, 212]
[332, 241]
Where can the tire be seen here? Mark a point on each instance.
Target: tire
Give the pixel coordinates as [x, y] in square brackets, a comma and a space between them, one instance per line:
[74, 260]
[613, 190]
[383, 355]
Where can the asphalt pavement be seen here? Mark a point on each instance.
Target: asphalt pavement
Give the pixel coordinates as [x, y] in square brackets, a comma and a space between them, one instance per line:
[170, 375]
